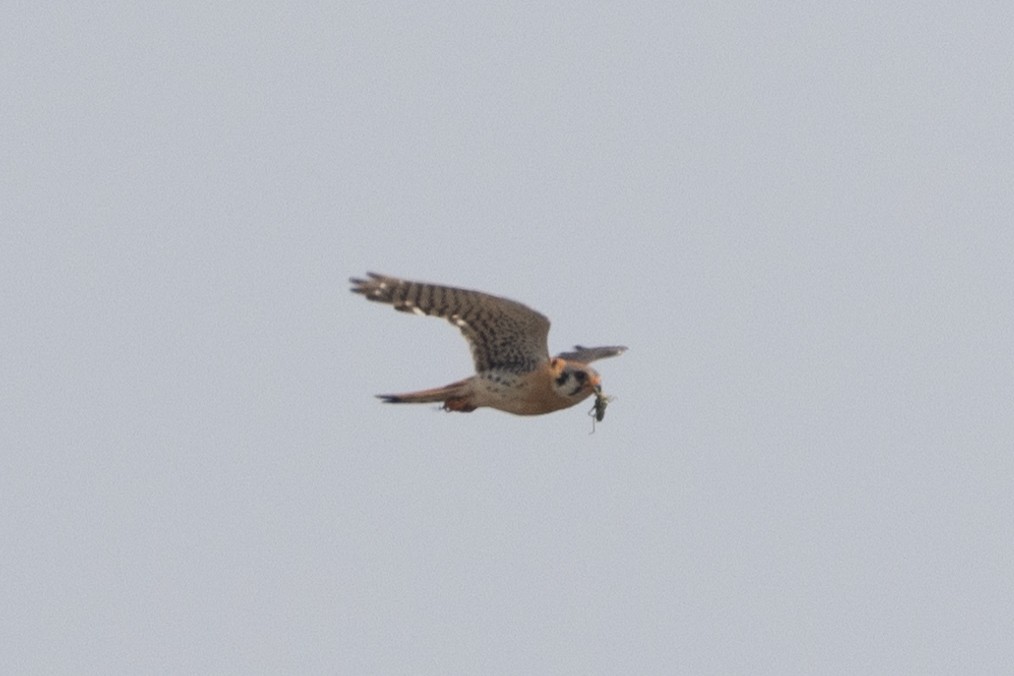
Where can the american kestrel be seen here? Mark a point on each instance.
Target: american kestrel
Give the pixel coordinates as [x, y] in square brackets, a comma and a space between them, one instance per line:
[513, 370]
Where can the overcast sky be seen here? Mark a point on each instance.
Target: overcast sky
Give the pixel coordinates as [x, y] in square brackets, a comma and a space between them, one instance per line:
[797, 216]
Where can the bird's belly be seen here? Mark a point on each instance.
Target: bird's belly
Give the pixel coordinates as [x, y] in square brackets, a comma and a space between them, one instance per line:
[518, 394]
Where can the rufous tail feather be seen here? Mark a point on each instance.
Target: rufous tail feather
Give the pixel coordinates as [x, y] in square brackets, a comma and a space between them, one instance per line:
[452, 395]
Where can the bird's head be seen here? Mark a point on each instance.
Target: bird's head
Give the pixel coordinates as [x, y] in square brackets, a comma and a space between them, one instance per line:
[573, 380]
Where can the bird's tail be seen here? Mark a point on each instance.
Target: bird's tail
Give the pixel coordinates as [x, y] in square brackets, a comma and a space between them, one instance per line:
[454, 397]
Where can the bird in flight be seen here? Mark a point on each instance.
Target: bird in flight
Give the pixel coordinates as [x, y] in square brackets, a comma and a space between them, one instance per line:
[513, 369]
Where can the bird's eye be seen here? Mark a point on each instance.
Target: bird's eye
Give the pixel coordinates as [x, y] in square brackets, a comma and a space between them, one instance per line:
[581, 376]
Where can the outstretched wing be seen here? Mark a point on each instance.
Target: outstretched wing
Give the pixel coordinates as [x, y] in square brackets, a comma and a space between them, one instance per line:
[502, 333]
[586, 355]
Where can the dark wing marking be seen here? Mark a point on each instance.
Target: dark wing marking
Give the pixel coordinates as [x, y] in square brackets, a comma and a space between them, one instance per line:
[586, 355]
[502, 333]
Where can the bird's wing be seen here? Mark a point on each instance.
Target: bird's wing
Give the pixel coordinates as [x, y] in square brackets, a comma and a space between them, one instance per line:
[586, 355]
[503, 334]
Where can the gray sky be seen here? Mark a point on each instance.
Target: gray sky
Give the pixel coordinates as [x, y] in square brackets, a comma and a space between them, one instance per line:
[798, 217]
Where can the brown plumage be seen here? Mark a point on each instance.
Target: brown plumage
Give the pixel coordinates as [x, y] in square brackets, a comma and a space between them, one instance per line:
[508, 340]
